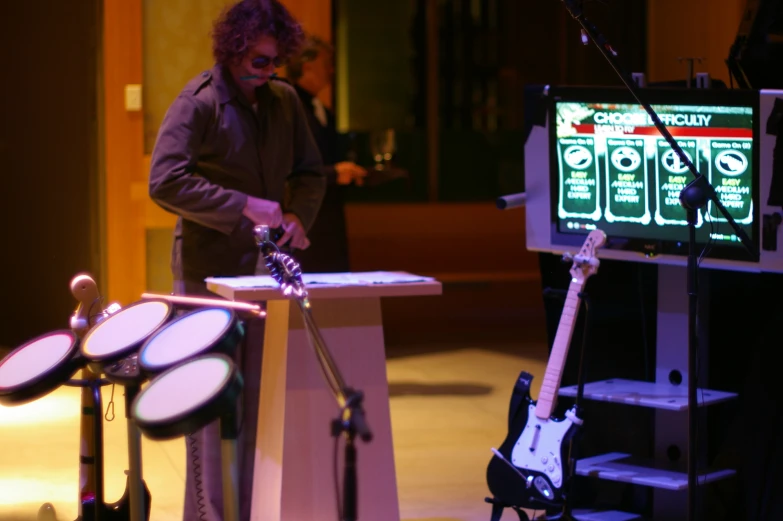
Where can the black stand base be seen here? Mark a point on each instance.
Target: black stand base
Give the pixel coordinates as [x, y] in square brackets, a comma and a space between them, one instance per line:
[349, 424]
[497, 510]
[561, 516]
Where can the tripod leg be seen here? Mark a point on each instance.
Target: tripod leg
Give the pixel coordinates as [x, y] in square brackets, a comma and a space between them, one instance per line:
[98, 437]
[497, 511]
[230, 480]
[138, 508]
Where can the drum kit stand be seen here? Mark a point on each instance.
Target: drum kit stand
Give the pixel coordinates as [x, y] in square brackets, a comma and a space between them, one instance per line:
[145, 342]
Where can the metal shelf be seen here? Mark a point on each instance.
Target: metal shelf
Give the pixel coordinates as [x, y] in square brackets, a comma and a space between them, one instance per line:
[617, 466]
[646, 394]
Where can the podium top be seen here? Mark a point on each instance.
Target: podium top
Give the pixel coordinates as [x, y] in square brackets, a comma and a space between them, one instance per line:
[328, 285]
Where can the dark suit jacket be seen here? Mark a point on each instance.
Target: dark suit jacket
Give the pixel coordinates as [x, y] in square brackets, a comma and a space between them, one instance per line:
[213, 151]
[328, 251]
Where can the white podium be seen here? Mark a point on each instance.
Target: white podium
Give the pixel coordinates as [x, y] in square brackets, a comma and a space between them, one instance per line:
[294, 474]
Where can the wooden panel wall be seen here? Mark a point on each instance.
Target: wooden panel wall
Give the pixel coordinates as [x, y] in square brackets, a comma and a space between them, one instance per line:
[492, 285]
[314, 15]
[316, 19]
[458, 242]
[124, 149]
[48, 143]
[695, 28]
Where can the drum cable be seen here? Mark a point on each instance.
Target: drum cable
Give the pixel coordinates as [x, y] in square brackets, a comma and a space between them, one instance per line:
[110, 406]
[196, 462]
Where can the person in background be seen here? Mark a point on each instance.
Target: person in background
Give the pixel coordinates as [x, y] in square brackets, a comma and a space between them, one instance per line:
[234, 151]
[311, 71]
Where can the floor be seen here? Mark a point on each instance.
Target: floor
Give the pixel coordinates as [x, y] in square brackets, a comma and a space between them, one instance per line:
[449, 406]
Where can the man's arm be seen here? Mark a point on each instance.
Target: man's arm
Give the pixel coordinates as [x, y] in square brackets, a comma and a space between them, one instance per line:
[174, 183]
[306, 184]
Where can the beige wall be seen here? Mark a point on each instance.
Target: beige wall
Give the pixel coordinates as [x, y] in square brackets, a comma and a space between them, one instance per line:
[177, 46]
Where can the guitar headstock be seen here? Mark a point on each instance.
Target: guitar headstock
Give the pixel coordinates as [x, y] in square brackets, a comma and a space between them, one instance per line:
[585, 262]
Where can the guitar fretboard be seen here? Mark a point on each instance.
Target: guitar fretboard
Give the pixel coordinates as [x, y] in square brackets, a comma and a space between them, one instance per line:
[547, 396]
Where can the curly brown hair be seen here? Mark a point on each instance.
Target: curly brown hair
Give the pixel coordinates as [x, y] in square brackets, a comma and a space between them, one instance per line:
[239, 26]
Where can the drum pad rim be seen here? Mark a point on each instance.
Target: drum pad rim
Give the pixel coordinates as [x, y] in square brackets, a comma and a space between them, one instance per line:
[47, 382]
[186, 422]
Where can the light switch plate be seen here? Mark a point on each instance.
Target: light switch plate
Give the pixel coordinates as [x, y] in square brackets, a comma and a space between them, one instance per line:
[133, 97]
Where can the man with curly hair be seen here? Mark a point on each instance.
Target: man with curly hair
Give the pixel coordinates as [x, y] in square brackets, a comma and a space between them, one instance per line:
[234, 151]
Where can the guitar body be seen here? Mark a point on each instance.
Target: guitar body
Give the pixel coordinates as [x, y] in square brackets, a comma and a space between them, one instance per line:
[538, 449]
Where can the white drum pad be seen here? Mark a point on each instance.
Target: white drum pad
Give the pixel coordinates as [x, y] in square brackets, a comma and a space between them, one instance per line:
[35, 359]
[125, 329]
[185, 338]
[182, 390]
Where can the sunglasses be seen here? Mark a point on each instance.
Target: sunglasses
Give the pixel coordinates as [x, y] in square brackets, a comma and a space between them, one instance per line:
[262, 62]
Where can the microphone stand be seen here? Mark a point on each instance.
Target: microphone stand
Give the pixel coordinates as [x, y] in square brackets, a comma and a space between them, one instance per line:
[693, 197]
[350, 422]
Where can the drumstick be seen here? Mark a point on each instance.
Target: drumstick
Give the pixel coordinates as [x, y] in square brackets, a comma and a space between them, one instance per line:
[253, 309]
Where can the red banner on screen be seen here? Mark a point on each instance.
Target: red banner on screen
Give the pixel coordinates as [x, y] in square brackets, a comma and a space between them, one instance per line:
[628, 130]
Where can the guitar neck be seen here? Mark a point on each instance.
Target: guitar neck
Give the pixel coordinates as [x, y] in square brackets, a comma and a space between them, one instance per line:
[547, 397]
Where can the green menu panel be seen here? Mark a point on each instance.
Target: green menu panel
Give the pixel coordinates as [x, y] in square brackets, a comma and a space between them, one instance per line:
[672, 175]
[730, 175]
[579, 178]
[626, 181]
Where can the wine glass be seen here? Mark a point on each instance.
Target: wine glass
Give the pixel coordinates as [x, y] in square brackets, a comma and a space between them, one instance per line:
[382, 146]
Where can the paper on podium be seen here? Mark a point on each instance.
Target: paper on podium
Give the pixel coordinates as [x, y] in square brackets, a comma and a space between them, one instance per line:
[367, 278]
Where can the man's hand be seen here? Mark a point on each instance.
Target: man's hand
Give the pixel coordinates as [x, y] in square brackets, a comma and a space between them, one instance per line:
[294, 232]
[349, 172]
[262, 211]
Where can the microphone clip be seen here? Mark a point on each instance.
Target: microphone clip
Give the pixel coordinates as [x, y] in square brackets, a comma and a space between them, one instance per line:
[282, 267]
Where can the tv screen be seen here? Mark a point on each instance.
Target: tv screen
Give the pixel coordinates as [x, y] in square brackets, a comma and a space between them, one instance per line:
[612, 169]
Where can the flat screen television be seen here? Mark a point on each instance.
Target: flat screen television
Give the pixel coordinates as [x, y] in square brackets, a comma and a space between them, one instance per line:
[599, 162]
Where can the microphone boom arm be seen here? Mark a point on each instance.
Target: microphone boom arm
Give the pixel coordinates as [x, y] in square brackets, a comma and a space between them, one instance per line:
[286, 272]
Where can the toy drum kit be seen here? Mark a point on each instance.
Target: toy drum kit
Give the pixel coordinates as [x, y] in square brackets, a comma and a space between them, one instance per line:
[173, 355]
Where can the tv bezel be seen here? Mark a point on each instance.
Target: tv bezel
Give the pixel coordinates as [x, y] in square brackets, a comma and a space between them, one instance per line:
[655, 96]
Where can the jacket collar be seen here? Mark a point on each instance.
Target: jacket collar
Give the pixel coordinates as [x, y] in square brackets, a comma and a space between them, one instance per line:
[224, 84]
